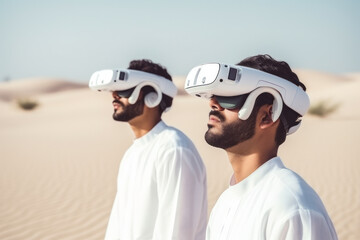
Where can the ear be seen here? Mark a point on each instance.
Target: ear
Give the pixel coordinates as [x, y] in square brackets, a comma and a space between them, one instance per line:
[265, 117]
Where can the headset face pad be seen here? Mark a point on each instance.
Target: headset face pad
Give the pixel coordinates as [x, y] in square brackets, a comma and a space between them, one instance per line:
[234, 102]
[124, 93]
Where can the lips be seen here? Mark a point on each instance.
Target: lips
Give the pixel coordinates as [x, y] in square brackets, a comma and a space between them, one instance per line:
[117, 104]
[215, 117]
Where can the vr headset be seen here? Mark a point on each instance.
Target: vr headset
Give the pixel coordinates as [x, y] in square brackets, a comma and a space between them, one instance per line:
[129, 83]
[229, 83]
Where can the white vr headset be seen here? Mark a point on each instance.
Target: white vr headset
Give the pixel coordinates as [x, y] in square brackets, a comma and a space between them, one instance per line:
[215, 79]
[125, 79]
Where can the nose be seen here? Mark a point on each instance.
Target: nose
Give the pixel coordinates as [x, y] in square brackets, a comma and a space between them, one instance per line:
[215, 105]
[115, 96]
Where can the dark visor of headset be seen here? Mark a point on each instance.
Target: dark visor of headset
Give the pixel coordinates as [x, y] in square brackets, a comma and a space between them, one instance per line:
[234, 102]
[125, 93]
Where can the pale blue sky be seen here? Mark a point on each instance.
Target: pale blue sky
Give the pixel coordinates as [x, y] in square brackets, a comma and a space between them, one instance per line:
[71, 39]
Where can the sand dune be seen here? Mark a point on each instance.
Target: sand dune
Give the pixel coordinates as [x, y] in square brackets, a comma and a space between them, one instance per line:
[318, 81]
[30, 87]
[59, 162]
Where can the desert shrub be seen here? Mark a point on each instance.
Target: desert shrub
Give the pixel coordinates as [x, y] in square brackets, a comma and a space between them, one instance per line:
[27, 103]
[323, 108]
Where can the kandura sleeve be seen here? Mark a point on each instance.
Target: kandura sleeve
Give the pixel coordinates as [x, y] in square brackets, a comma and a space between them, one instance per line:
[182, 211]
[112, 231]
[305, 225]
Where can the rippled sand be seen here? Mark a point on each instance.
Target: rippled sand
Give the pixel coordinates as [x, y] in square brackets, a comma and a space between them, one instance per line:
[59, 162]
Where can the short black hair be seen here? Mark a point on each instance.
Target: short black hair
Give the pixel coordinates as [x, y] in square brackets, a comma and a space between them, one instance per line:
[147, 65]
[266, 63]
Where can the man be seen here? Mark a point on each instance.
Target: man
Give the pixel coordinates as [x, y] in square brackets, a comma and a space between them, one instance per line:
[252, 111]
[161, 191]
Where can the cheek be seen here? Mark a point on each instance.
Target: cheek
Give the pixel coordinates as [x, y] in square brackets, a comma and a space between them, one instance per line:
[125, 101]
[232, 115]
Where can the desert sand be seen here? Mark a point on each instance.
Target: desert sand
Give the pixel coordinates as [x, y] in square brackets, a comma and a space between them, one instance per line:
[59, 162]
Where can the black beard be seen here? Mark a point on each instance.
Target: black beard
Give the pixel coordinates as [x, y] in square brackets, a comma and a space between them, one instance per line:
[232, 133]
[128, 112]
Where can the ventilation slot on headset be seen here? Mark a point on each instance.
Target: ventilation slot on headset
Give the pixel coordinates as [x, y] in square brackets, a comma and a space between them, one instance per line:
[122, 76]
[232, 74]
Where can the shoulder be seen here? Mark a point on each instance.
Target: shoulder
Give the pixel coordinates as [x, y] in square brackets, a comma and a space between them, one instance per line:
[173, 137]
[294, 192]
[171, 143]
[175, 153]
[294, 202]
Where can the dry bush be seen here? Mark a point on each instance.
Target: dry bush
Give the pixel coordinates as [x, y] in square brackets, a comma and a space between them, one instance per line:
[27, 103]
[323, 108]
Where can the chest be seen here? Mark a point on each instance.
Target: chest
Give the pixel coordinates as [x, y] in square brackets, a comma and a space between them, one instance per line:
[242, 216]
[137, 171]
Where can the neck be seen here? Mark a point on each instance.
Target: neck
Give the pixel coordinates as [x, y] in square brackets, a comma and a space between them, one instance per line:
[143, 124]
[245, 160]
